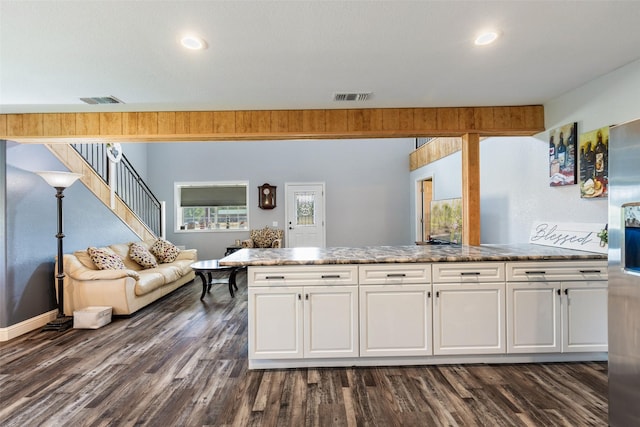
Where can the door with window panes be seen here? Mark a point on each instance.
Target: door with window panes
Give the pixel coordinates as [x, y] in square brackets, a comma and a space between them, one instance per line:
[305, 207]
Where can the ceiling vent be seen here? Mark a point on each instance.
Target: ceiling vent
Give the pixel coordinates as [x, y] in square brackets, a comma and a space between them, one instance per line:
[352, 96]
[101, 100]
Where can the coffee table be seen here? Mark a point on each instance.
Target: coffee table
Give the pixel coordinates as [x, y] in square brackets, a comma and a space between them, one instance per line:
[207, 267]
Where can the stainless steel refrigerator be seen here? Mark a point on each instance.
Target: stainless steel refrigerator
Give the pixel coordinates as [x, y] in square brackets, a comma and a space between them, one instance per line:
[624, 274]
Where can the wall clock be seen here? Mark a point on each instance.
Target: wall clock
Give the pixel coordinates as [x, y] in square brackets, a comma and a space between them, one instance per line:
[267, 196]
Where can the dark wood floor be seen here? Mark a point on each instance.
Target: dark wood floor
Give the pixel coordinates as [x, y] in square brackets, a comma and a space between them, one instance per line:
[182, 362]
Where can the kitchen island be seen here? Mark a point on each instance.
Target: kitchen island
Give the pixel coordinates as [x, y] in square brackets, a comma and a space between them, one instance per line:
[399, 305]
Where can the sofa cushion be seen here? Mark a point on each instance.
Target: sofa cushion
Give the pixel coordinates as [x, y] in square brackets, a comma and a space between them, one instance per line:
[85, 259]
[165, 251]
[141, 255]
[149, 281]
[183, 265]
[105, 259]
[122, 250]
[170, 272]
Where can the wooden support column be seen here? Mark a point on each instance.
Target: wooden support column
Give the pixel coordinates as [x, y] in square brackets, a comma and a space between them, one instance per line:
[471, 189]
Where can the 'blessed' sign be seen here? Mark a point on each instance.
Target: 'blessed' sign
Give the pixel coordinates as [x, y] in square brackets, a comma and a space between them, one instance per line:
[580, 236]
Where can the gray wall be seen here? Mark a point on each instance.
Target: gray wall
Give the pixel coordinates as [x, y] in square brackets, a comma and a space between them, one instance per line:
[367, 195]
[31, 226]
[137, 155]
[3, 235]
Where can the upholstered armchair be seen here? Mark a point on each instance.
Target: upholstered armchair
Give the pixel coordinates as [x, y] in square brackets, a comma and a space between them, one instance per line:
[264, 238]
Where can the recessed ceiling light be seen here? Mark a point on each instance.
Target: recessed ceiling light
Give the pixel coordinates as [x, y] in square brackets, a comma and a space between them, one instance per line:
[193, 42]
[486, 38]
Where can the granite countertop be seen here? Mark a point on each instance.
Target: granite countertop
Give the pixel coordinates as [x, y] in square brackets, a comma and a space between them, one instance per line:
[402, 254]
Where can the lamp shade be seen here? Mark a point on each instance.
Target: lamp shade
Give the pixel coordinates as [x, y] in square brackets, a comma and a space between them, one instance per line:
[59, 179]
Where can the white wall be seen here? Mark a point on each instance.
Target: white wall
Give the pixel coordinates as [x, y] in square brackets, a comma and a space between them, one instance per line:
[514, 172]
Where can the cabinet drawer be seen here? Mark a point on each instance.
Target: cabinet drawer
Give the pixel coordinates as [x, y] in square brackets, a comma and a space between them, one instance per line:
[468, 272]
[303, 275]
[404, 273]
[537, 271]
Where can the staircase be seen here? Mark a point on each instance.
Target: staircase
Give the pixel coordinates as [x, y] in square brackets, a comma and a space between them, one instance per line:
[133, 202]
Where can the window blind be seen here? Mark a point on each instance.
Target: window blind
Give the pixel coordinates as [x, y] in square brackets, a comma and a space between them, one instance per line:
[219, 195]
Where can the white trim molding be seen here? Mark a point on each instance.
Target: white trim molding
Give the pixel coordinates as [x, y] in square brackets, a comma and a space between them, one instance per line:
[26, 326]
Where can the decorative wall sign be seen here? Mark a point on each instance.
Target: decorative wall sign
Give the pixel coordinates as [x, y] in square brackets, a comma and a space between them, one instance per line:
[580, 236]
[594, 163]
[562, 155]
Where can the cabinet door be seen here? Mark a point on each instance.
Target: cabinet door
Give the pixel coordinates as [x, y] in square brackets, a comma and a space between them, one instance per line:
[468, 319]
[584, 316]
[395, 320]
[533, 317]
[331, 321]
[275, 323]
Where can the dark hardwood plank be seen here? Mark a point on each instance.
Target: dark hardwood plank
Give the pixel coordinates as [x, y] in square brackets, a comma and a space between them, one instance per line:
[183, 362]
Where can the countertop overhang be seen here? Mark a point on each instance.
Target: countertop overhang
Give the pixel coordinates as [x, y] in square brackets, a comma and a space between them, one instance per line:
[403, 254]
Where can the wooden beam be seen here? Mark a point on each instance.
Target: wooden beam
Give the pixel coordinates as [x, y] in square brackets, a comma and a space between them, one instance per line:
[471, 189]
[178, 126]
[434, 150]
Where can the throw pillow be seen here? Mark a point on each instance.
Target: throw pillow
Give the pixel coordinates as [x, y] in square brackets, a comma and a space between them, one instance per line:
[105, 259]
[142, 256]
[165, 251]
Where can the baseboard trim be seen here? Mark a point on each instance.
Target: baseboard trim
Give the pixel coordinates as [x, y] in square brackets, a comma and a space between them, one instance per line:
[26, 326]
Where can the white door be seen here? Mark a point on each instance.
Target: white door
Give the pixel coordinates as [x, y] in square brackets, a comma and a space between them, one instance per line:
[304, 205]
[468, 319]
[584, 316]
[331, 321]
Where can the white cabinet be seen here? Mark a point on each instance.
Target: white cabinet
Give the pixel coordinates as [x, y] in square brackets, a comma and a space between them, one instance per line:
[584, 316]
[330, 321]
[395, 310]
[275, 323]
[533, 317]
[468, 308]
[395, 320]
[316, 320]
[556, 306]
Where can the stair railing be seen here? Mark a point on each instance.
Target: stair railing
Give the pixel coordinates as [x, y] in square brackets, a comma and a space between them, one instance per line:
[129, 185]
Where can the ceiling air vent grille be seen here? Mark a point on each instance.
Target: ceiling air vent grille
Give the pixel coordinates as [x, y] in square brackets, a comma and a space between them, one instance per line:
[101, 100]
[352, 96]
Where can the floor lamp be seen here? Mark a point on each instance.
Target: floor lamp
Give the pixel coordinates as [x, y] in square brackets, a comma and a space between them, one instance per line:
[60, 181]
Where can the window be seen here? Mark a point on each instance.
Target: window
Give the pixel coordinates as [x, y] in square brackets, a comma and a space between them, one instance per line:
[211, 206]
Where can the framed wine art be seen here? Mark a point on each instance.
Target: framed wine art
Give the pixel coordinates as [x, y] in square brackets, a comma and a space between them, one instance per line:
[562, 155]
[593, 163]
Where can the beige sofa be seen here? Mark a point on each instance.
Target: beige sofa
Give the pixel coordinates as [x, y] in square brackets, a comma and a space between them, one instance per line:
[128, 290]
